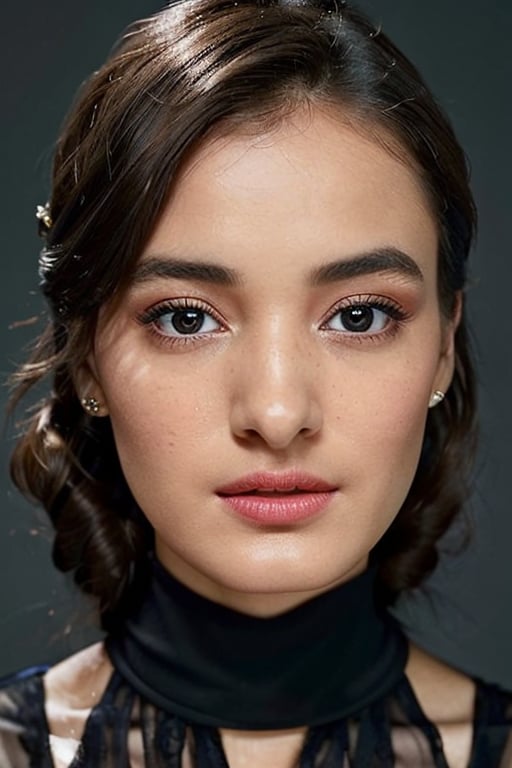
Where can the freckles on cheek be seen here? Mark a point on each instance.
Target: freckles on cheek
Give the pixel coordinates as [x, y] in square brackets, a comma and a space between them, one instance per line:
[157, 423]
[388, 412]
[404, 430]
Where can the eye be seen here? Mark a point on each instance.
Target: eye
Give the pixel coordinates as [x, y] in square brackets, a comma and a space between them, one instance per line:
[359, 319]
[365, 317]
[181, 318]
[186, 322]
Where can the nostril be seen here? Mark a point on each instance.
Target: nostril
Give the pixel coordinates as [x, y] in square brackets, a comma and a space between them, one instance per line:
[277, 420]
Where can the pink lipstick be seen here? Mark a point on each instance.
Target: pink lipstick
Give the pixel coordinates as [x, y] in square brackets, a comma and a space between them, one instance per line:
[277, 498]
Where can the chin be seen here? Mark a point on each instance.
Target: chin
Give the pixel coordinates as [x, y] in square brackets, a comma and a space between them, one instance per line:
[275, 572]
[286, 580]
[283, 578]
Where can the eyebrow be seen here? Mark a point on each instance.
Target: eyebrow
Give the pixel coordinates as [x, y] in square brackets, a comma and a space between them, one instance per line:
[180, 269]
[390, 260]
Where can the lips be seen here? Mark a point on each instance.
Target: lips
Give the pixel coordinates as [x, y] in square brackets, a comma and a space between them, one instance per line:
[270, 498]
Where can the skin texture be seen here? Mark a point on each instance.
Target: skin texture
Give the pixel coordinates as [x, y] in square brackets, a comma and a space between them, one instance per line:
[273, 381]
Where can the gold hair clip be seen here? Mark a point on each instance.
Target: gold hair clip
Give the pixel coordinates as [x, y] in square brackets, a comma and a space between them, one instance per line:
[44, 217]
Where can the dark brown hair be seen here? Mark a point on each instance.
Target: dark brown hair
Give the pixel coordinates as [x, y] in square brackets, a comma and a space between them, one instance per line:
[196, 67]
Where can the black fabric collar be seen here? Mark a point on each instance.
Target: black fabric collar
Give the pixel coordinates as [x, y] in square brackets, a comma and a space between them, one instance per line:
[326, 659]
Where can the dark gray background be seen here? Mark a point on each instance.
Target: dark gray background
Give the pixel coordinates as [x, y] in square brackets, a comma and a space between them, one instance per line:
[462, 49]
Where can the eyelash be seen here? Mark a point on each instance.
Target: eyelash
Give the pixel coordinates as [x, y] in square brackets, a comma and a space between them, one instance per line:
[394, 311]
[396, 314]
[149, 318]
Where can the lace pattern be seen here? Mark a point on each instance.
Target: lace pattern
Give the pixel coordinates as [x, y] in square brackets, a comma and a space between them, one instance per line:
[125, 731]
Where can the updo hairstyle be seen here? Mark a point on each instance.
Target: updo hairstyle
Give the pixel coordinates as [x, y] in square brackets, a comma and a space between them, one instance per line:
[195, 68]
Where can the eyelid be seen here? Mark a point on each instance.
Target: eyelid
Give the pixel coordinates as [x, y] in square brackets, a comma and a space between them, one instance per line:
[376, 301]
[396, 313]
[175, 305]
[149, 317]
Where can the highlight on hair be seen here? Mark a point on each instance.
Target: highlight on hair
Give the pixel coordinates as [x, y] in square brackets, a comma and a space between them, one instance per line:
[195, 68]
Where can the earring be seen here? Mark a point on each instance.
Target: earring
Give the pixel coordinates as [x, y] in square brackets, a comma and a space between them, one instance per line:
[436, 398]
[91, 405]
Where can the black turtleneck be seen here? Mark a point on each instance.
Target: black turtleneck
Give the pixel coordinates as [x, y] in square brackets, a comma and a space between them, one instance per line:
[323, 660]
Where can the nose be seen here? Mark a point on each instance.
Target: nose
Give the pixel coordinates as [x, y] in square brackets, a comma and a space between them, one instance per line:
[274, 394]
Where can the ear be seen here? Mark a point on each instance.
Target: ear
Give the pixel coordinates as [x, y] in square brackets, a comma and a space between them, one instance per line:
[88, 388]
[446, 364]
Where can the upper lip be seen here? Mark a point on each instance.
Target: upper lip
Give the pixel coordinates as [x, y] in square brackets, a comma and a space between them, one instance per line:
[284, 482]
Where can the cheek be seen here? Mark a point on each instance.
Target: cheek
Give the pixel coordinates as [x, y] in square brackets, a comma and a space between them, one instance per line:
[394, 412]
[162, 424]
[381, 425]
[400, 435]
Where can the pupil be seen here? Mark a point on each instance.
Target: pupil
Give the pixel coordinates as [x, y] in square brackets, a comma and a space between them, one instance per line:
[188, 320]
[358, 318]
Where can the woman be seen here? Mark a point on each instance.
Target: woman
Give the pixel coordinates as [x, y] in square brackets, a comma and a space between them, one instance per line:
[255, 256]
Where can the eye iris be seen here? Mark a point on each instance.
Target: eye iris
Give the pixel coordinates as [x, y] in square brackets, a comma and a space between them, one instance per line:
[187, 320]
[358, 319]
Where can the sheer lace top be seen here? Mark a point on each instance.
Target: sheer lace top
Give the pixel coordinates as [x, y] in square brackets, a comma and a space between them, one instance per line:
[124, 730]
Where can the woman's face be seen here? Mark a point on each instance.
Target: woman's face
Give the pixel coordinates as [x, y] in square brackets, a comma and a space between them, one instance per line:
[269, 371]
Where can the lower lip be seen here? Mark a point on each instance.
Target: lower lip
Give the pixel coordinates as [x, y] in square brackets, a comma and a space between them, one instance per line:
[279, 510]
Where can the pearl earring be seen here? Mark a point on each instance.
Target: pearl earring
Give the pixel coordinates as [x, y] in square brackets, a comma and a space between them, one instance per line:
[436, 398]
[91, 405]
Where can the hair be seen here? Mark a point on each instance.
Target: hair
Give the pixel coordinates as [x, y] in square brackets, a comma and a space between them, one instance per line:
[197, 67]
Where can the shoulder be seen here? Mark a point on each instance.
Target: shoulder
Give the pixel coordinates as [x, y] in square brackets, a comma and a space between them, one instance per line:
[73, 688]
[464, 710]
[20, 695]
[43, 711]
[448, 695]
[74, 684]
[445, 694]
[22, 718]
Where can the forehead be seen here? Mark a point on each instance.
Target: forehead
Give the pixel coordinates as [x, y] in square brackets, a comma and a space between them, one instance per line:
[313, 187]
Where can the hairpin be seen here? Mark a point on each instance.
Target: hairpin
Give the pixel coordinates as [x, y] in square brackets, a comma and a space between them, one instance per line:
[44, 217]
